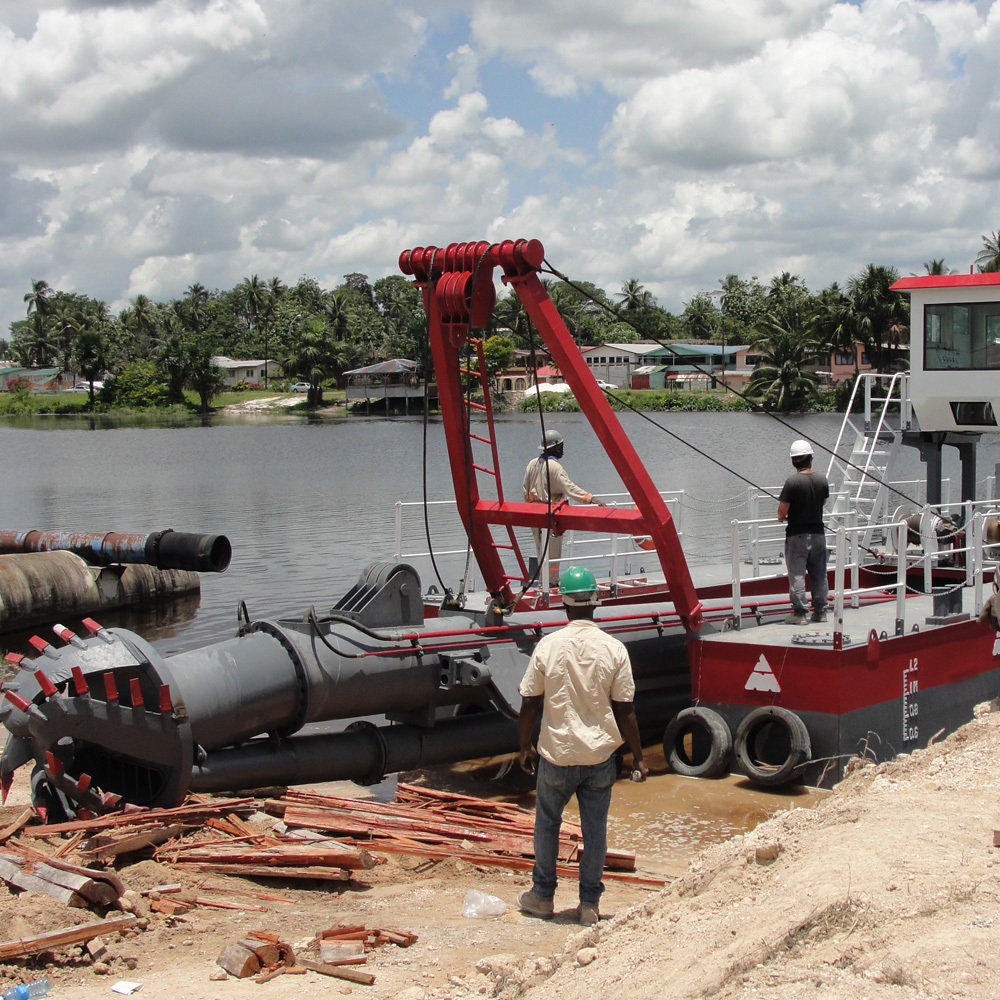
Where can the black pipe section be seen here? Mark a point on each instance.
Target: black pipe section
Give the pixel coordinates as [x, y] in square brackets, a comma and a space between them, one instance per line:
[166, 549]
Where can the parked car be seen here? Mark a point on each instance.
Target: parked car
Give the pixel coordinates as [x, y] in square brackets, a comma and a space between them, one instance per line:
[299, 387]
[605, 385]
[85, 387]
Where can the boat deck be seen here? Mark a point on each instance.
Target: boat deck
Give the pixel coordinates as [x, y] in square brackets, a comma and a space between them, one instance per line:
[857, 626]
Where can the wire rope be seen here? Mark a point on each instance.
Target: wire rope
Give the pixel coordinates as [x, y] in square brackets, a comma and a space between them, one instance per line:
[795, 430]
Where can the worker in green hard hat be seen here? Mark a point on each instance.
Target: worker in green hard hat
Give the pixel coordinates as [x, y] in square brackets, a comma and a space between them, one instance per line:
[579, 681]
[545, 481]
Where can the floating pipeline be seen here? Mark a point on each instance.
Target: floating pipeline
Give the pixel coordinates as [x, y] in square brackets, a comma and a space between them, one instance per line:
[67, 574]
[38, 587]
[167, 549]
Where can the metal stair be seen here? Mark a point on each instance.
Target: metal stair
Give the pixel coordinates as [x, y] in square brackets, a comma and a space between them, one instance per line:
[863, 459]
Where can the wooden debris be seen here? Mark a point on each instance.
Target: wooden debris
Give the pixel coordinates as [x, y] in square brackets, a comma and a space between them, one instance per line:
[276, 871]
[68, 883]
[282, 855]
[60, 938]
[13, 828]
[257, 952]
[436, 824]
[170, 907]
[339, 972]
[224, 904]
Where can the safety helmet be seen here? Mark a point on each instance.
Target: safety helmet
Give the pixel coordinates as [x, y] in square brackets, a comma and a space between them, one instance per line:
[578, 586]
[800, 448]
[551, 440]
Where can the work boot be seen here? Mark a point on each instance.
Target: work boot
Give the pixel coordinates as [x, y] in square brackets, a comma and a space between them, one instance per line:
[796, 618]
[819, 616]
[587, 914]
[532, 904]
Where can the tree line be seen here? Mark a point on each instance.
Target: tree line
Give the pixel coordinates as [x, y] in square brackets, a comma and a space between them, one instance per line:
[158, 349]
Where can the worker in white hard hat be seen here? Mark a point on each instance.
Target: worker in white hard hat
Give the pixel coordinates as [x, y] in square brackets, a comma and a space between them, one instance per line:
[800, 506]
[545, 481]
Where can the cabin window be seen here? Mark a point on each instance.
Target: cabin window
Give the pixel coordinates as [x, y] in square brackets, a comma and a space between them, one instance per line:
[840, 358]
[965, 336]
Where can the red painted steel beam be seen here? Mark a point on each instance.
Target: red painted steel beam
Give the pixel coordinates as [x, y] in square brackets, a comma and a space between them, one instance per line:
[457, 285]
[659, 525]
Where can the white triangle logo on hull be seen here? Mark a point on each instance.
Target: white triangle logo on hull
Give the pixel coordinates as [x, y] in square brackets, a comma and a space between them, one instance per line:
[762, 678]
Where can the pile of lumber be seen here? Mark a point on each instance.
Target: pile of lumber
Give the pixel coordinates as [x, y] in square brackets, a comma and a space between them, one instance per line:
[320, 837]
[438, 825]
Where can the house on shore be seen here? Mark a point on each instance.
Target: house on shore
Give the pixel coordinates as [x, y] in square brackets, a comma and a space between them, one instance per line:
[397, 378]
[255, 373]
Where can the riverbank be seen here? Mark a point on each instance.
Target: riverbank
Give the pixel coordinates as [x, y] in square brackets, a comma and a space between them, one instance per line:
[887, 888]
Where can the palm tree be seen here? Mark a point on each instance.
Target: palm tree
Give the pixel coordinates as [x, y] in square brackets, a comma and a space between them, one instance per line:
[312, 353]
[90, 354]
[701, 317]
[989, 257]
[252, 296]
[38, 298]
[66, 323]
[881, 316]
[145, 319]
[781, 380]
[935, 266]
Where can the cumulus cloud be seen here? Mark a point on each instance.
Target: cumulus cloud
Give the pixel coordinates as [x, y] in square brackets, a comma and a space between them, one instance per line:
[147, 145]
[570, 46]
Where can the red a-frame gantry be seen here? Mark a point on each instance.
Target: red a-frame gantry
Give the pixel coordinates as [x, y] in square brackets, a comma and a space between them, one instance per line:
[459, 295]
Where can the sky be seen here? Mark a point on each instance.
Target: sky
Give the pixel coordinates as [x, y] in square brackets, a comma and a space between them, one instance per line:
[146, 145]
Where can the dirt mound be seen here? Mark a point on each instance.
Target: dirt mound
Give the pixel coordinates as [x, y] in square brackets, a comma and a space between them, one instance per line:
[887, 889]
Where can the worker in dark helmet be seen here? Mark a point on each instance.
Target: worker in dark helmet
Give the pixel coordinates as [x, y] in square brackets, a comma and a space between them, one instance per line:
[800, 505]
[579, 681]
[545, 481]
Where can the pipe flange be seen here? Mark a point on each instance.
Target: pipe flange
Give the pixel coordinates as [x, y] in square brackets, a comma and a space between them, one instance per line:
[378, 772]
[301, 679]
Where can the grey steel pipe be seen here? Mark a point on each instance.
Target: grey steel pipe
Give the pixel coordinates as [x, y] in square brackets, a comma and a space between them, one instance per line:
[166, 549]
[366, 753]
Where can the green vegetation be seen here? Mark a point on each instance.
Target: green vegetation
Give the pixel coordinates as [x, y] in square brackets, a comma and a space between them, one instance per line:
[159, 354]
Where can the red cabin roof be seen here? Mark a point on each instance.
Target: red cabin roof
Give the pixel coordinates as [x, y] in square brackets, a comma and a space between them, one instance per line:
[945, 281]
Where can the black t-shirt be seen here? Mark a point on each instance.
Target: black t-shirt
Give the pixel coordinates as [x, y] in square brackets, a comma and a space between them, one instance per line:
[805, 493]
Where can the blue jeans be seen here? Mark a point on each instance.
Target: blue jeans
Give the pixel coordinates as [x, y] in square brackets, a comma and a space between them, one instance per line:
[554, 787]
[806, 554]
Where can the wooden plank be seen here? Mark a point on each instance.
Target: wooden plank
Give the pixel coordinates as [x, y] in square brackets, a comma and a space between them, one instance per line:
[290, 855]
[17, 877]
[12, 828]
[144, 817]
[276, 871]
[339, 972]
[108, 846]
[222, 904]
[52, 940]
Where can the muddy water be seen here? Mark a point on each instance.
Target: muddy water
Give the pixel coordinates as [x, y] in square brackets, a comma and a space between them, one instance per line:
[665, 820]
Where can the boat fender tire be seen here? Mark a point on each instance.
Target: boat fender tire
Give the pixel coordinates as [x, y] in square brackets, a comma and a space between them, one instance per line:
[697, 743]
[772, 746]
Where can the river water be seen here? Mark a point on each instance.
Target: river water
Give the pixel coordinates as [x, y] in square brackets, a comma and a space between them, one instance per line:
[308, 504]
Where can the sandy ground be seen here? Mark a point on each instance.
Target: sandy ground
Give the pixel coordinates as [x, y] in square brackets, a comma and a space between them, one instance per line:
[888, 887]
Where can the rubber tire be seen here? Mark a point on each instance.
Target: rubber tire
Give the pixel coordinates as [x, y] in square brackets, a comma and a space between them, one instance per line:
[701, 725]
[762, 736]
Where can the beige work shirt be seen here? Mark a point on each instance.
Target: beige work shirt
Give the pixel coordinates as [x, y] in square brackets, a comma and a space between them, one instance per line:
[579, 671]
[541, 484]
